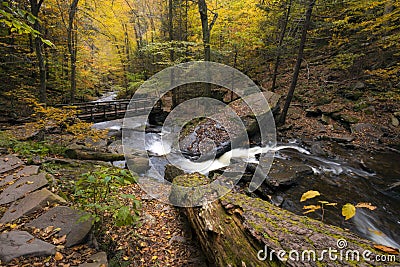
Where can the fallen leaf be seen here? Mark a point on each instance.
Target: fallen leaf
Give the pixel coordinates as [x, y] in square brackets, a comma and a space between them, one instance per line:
[309, 194]
[387, 249]
[61, 240]
[48, 229]
[348, 211]
[366, 205]
[154, 258]
[58, 256]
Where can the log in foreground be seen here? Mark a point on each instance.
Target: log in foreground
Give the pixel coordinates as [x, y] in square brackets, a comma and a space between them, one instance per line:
[238, 230]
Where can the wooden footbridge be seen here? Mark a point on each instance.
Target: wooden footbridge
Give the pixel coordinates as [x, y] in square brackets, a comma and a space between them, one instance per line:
[110, 110]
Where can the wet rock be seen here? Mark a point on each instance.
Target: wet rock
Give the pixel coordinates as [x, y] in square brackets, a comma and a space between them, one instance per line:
[25, 171]
[15, 244]
[194, 138]
[138, 164]
[277, 200]
[171, 172]
[29, 204]
[395, 121]
[9, 162]
[22, 187]
[69, 220]
[285, 173]
[97, 260]
[318, 150]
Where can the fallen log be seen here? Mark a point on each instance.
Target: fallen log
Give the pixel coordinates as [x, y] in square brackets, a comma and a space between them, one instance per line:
[238, 230]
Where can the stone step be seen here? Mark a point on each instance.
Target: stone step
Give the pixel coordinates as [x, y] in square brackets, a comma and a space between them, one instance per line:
[24, 172]
[9, 162]
[22, 187]
[15, 244]
[30, 204]
[68, 220]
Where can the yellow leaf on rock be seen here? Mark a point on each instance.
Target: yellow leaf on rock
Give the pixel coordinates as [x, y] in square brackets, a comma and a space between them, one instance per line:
[348, 211]
[309, 194]
[366, 205]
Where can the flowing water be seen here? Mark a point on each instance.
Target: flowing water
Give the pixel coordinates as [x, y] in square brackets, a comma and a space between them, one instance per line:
[350, 177]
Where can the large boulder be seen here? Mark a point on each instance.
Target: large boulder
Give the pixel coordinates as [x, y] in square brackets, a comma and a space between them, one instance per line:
[207, 135]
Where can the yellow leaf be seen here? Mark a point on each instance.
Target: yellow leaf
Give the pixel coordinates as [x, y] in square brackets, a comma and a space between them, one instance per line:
[12, 226]
[331, 204]
[386, 249]
[311, 208]
[154, 258]
[309, 194]
[58, 256]
[348, 211]
[125, 258]
[366, 205]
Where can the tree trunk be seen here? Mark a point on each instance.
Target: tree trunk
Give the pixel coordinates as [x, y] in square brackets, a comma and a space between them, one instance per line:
[206, 29]
[72, 47]
[238, 230]
[281, 38]
[289, 98]
[35, 8]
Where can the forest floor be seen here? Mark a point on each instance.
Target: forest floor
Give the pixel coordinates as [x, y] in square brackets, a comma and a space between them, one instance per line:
[327, 106]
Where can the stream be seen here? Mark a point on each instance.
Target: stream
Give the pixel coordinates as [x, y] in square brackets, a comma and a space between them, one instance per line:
[351, 176]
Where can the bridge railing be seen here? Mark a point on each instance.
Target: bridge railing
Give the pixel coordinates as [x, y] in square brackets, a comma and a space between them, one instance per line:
[95, 111]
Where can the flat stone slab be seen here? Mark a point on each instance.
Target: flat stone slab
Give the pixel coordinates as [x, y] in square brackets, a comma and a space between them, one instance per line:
[29, 204]
[68, 220]
[24, 172]
[96, 260]
[15, 244]
[22, 187]
[9, 162]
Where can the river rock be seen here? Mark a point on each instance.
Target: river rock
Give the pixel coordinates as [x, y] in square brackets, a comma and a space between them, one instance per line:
[171, 171]
[22, 187]
[208, 135]
[25, 171]
[69, 220]
[284, 173]
[29, 204]
[9, 162]
[97, 260]
[15, 244]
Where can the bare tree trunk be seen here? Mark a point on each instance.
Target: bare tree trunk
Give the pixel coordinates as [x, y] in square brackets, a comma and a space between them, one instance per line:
[72, 48]
[281, 38]
[35, 8]
[289, 98]
[206, 29]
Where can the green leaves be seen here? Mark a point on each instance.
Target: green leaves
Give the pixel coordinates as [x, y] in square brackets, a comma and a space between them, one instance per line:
[97, 193]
